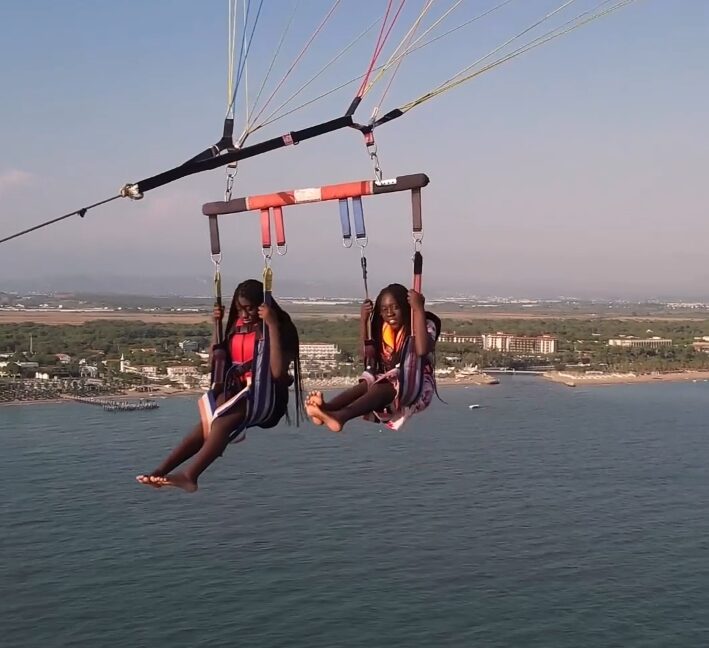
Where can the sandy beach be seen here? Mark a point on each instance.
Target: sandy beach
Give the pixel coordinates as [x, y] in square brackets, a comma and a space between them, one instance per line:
[568, 378]
[576, 379]
[324, 385]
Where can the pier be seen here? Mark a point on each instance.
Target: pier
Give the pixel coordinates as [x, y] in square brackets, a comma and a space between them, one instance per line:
[119, 405]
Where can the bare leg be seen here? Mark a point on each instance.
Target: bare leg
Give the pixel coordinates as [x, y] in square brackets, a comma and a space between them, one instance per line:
[315, 401]
[212, 448]
[344, 398]
[188, 447]
[376, 398]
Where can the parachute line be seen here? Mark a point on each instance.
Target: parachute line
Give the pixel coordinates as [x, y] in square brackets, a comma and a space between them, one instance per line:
[381, 41]
[300, 56]
[567, 27]
[222, 157]
[405, 42]
[245, 48]
[270, 68]
[272, 117]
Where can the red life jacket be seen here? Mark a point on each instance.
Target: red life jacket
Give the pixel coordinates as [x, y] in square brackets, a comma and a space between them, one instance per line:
[241, 345]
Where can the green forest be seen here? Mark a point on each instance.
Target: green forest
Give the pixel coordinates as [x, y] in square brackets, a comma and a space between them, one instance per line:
[580, 341]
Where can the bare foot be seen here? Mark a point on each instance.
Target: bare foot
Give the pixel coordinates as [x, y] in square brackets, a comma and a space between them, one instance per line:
[178, 480]
[326, 417]
[314, 400]
[312, 412]
[149, 480]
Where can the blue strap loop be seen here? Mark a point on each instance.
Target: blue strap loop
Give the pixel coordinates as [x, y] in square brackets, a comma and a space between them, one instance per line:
[345, 222]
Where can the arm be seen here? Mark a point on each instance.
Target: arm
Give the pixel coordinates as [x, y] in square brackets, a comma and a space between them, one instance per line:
[365, 316]
[424, 344]
[217, 314]
[279, 360]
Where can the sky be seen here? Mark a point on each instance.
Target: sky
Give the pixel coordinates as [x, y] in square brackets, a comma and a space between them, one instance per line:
[578, 168]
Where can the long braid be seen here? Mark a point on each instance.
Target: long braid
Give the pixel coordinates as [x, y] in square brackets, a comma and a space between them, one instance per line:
[251, 290]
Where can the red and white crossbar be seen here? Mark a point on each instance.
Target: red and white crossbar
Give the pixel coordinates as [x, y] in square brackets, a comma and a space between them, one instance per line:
[273, 203]
[315, 194]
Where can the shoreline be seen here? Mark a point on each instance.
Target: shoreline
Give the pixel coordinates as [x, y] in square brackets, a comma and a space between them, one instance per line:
[481, 379]
[127, 396]
[308, 384]
[566, 378]
[577, 379]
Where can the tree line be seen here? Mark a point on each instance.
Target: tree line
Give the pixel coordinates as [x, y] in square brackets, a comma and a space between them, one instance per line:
[580, 340]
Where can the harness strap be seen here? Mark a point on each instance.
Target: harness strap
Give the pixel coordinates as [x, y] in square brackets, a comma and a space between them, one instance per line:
[417, 223]
[266, 229]
[226, 143]
[345, 222]
[358, 213]
[238, 370]
[261, 398]
[214, 235]
[280, 229]
[219, 354]
[410, 374]
[411, 364]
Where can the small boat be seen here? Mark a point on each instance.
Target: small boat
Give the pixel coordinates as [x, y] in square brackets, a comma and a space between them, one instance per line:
[475, 406]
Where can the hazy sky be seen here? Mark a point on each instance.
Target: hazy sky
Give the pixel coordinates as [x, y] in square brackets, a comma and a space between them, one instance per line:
[578, 168]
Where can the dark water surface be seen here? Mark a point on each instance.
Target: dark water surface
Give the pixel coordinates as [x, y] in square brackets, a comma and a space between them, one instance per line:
[548, 517]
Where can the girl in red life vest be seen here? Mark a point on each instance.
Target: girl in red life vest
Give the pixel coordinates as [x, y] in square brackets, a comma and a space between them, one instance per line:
[225, 412]
[376, 396]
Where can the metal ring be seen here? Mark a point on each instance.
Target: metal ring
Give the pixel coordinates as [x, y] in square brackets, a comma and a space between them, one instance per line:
[418, 241]
[282, 250]
[347, 242]
[217, 259]
[362, 243]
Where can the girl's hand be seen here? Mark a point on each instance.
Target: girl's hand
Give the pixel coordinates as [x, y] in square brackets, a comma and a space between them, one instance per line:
[416, 300]
[218, 312]
[267, 315]
[367, 309]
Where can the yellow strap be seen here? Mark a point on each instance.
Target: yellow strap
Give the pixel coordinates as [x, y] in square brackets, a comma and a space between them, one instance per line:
[267, 279]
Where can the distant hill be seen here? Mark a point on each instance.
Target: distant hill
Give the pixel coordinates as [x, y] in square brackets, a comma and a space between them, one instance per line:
[182, 286]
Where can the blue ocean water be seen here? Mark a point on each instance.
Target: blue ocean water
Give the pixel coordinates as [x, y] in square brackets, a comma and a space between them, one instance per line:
[549, 517]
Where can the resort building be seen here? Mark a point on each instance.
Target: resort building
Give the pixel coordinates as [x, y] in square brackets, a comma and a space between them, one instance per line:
[522, 344]
[184, 374]
[456, 338]
[505, 342]
[180, 372]
[640, 343]
[319, 352]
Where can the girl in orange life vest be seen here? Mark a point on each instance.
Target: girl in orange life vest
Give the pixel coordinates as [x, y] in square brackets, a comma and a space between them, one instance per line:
[376, 395]
[208, 439]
